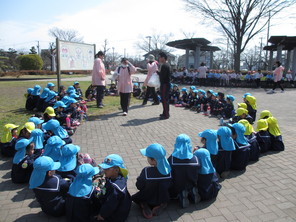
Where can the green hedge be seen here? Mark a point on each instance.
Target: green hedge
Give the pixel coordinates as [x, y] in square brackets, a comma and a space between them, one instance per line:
[30, 62]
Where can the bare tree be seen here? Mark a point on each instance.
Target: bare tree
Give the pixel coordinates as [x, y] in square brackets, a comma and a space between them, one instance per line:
[65, 34]
[154, 42]
[240, 20]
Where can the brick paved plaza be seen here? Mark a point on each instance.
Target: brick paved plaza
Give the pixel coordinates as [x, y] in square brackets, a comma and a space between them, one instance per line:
[266, 191]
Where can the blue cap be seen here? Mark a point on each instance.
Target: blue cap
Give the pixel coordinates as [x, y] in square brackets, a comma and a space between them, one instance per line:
[50, 84]
[202, 91]
[192, 87]
[204, 157]
[45, 92]
[71, 100]
[50, 96]
[73, 95]
[30, 90]
[230, 97]
[36, 91]
[211, 140]
[53, 148]
[37, 136]
[41, 166]
[65, 100]
[76, 82]
[184, 89]
[210, 91]
[215, 94]
[36, 121]
[82, 184]
[59, 104]
[240, 130]
[54, 126]
[20, 148]
[68, 159]
[183, 147]
[157, 152]
[195, 91]
[114, 160]
[70, 89]
[225, 138]
[136, 84]
[246, 94]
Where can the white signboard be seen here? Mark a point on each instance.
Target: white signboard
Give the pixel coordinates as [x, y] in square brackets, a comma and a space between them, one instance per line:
[76, 56]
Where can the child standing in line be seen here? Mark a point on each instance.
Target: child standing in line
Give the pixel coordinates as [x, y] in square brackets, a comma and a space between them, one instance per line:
[8, 140]
[185, 168]
[207, 183]
[116, 203]
[263, 136]
[68, 161]
[82, 202]
[23, 160]
[226, 147]
[50, 189]
[241, 155]
[154, 182]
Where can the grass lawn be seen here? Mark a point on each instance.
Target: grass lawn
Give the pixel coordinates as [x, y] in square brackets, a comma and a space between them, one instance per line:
[44, 76]
[12, 102]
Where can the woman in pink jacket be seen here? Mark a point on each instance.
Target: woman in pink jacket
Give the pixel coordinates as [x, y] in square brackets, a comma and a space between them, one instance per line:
[99, 77]
[277, 77]
[125, 85]
[152, 68]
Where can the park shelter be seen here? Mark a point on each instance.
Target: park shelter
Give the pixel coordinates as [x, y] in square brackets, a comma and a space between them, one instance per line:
[197, 45]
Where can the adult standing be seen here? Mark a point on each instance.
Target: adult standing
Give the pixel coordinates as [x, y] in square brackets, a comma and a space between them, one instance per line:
[164, 77]
[202, 70]
[277, 77]
[99, 78]
[125, 85]
[152, 68]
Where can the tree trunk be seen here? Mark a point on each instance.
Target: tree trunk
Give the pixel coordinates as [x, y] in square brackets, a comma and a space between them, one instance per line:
[237, 62]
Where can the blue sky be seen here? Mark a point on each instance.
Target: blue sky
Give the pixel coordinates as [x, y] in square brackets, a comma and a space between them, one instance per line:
[121, 22]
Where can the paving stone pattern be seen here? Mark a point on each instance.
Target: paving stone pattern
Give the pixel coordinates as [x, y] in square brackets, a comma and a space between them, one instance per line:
[266, 191]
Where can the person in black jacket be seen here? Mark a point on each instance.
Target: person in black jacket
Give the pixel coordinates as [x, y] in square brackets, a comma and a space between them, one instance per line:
[164, 77]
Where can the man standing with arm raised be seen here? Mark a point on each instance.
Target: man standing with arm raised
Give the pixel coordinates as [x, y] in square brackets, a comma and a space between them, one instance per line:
[164, 77]
[99, 77]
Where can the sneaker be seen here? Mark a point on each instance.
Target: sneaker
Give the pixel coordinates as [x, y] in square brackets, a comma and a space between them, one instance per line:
[163, 118]
[124, 114]
[154, 104]
[183, 199]
[194, 196]
[156, 211]
[146, 211]
[100, 106]
[270, 91]
[282, 91]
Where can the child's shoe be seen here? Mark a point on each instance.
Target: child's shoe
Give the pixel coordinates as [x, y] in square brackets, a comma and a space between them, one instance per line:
[146, 211]
[156, 211]
[193, 195]
[183, 199]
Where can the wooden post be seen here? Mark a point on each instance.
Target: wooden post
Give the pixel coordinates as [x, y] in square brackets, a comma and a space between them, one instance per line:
[58, 63]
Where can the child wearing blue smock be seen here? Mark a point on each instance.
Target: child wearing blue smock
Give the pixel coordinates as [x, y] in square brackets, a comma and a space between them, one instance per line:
[185, 168]
[225, 149]
[154, 182]
[209, 140]
[241, 155]
[263, 136]
[53, 147]
[23, 160]
[207, 184]
[53, 127]
[82, 202]
[115, 204]
[252, 140]
[8, 140]
[68, 161]
[50, 190]
[37, 136]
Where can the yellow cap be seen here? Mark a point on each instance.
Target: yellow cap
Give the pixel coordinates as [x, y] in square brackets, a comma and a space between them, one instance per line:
[30, 126]
[242, 105]
[262, 125]
[50, 111]
[265, 113]
[248, 126]
[7, 135]
[252, 101]
[273, 127]
[241, 111]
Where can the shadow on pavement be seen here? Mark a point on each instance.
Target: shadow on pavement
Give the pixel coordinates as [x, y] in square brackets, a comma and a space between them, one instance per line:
[138, 122]
[23, 194]
[7, 185]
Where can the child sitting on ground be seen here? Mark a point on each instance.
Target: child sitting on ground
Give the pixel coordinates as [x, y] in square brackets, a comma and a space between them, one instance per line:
[275, 135]
[91, 93]
[263, 136]
[174, 94]
[242, 113]
[116, 203]
[136, 90]
[50, 189]
[8, 140]
[53, 127]
[53, 147]
[154, 182]
[185, 168]
[251, 106]
[228, 110]
[37, 136]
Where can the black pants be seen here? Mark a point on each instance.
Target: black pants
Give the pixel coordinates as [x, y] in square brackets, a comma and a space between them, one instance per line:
[100, 95]
[165, 99]
[278, 84]
[150, 91]
[125, 101]
[257, 83]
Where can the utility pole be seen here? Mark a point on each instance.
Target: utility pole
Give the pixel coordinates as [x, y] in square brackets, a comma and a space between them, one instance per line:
[113, 56]
[267, 37]
[260, 57]
[38, 47]
[149, 37]
[124, 52]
